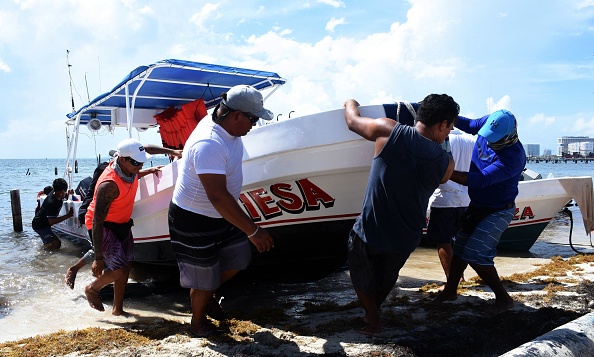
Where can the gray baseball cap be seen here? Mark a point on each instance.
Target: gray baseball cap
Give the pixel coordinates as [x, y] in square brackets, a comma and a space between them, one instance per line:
[247, 99]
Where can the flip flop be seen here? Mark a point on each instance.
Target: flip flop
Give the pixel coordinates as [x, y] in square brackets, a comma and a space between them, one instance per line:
[70, 278]
[93, 298]
[206, 330]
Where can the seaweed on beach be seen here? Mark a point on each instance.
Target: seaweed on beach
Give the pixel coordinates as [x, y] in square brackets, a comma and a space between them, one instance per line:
[87, 341]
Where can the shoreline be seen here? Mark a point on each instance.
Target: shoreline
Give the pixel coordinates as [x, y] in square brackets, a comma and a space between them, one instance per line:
[326, 322]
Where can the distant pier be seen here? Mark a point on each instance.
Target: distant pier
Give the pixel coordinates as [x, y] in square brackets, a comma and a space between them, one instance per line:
[558, 160]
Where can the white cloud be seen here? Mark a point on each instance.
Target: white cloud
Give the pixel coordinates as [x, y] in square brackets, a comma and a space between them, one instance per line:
[207, 13]
[334, 22]
[542, 120]
[285, 32]
[584, 4]
[503, 103]
[4, 67]
[583, 127]
[536, 60]
[147, 10]
[333, 3]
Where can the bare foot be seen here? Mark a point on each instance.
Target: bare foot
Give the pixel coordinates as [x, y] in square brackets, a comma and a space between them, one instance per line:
[444, 284]
[93, 298]
[441, 297]
[366, 318]
[205, 329]
[499, 307]
[70, 277]
[119, 313]
[371, 331]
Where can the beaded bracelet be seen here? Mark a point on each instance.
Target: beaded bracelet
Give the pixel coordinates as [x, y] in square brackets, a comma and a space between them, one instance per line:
[253, 234]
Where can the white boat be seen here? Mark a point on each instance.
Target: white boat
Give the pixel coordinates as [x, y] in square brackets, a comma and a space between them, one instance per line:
[304, 177]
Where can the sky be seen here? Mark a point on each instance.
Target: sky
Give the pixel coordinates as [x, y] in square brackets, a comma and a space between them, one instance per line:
[533, 57]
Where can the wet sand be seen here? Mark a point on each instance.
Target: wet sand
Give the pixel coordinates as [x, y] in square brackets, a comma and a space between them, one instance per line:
[322, 317]
[317, 317]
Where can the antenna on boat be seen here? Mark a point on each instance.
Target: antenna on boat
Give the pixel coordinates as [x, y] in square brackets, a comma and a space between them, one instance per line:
[87, 84]
[70, 77]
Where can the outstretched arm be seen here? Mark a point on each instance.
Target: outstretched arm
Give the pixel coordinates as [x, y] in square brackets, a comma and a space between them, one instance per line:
[156, 150]
[150, 170]
[460, 177]
[369, 128]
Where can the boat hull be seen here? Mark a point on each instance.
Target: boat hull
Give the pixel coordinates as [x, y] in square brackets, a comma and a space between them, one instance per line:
[304, 181]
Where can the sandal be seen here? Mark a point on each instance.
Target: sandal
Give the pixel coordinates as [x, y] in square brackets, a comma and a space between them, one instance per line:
[214, 310]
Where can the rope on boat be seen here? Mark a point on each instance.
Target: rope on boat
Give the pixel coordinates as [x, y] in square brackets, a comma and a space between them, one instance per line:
[570, 215]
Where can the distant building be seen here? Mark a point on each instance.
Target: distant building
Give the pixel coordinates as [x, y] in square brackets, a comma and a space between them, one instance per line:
[547, 152]
[581, 149]
[564, 141]
[532, 149]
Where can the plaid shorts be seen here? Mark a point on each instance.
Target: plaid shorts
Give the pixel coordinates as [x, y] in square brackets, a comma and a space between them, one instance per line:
[480, 247]
[204, 247]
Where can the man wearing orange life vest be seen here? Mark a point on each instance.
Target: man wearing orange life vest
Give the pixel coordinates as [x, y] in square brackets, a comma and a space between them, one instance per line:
[108, 219]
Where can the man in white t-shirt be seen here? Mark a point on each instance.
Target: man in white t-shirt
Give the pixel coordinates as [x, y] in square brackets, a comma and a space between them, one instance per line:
[450, 199]
[209, 230]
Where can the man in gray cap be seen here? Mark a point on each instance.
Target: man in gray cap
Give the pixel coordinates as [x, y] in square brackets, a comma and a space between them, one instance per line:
[498, 160]
[209, 230]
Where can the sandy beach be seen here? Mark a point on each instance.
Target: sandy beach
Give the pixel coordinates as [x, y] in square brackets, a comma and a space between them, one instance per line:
[277, 320]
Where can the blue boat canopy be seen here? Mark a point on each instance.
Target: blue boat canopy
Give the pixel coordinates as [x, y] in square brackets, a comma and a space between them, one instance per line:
[148, 90]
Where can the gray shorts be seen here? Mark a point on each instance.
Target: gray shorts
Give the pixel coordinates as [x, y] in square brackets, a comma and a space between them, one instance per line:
[373, 271]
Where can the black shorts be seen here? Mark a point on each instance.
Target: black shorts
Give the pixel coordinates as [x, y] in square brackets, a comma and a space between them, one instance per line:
[444, 223]
[373, 271]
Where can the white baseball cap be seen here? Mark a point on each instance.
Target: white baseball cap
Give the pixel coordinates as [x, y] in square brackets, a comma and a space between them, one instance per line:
[132, 148]
[247, 99]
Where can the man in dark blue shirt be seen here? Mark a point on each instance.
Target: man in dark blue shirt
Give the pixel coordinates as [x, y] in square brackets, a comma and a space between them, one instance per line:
[498, 160]
[47, 215]
[409, 164]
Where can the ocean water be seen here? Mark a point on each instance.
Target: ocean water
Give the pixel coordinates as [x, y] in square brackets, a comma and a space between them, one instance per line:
[34, 299]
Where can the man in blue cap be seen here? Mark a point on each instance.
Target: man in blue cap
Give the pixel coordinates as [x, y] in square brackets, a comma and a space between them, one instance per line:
[498, 160]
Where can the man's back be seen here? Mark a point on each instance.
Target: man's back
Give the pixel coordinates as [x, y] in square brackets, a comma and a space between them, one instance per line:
[402, 178]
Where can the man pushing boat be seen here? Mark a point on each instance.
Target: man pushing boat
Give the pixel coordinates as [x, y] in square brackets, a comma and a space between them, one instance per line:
[409, 164]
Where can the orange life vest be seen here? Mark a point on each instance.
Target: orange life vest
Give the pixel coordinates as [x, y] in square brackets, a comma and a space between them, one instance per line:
[121, 208]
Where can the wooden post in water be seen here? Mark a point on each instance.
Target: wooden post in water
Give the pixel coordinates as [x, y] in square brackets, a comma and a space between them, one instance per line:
[15, 203]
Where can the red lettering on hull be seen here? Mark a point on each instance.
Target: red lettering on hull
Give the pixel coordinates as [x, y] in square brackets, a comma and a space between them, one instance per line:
[526, 213]
[292, 198]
